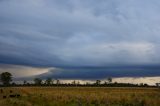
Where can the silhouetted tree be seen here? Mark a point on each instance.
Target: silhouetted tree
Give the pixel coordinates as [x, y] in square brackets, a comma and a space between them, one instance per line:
[74, 82]
[6, 78]
[158, 85]
[105, 83]
[24, 82]
[48, 81]
[109, 79]
[57, 82]
[13, 84]
[78, 83]
[98, 82]
[87, 83]
[141, 84]
[37, 81]
[145, 85]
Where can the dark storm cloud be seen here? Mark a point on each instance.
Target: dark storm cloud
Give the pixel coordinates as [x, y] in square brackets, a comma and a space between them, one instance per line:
[21, 72]
[101, 72]
[60, 33]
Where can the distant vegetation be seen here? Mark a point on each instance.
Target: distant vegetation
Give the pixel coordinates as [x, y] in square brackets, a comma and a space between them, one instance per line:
[6, 79]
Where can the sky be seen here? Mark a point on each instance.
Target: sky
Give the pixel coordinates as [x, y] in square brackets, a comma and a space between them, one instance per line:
[80, 39]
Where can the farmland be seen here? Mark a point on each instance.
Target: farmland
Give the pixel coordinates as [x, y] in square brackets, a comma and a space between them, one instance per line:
[80, 96]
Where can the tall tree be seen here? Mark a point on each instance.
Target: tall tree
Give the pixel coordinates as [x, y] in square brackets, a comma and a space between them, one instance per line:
[6, 78]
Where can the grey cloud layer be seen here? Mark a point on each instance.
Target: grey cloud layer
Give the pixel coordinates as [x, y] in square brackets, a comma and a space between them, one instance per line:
[101, 72]
[79, 32]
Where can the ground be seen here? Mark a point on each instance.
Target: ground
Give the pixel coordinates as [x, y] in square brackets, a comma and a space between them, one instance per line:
[80, 96]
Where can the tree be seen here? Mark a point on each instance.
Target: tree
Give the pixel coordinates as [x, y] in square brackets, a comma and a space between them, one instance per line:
[78, 83]
[57, 82]
[105, 83]
[98, 82]
[109, 79]
[6, 78]
[158, 85]
[74, 82]
[87, 83]
[37, 81]
[48, 81]
[24, 82]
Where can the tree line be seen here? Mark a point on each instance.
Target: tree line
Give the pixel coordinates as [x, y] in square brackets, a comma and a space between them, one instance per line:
[6, 79]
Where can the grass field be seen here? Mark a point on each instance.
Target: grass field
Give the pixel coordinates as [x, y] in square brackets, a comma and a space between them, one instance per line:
[80, 96]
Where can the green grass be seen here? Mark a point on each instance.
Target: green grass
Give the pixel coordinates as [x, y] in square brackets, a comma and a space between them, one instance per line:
[81, 96]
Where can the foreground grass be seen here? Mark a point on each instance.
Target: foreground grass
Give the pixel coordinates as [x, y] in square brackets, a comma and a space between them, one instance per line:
[81, 96]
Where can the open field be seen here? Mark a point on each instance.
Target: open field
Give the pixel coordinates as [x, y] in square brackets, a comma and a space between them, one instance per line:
[80, 96]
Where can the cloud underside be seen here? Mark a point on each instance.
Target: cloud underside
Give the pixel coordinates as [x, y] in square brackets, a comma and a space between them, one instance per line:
[20, 72]
[67, 75]
[58, 33]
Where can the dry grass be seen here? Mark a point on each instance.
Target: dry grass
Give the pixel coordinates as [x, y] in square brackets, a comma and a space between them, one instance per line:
[81, 96]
